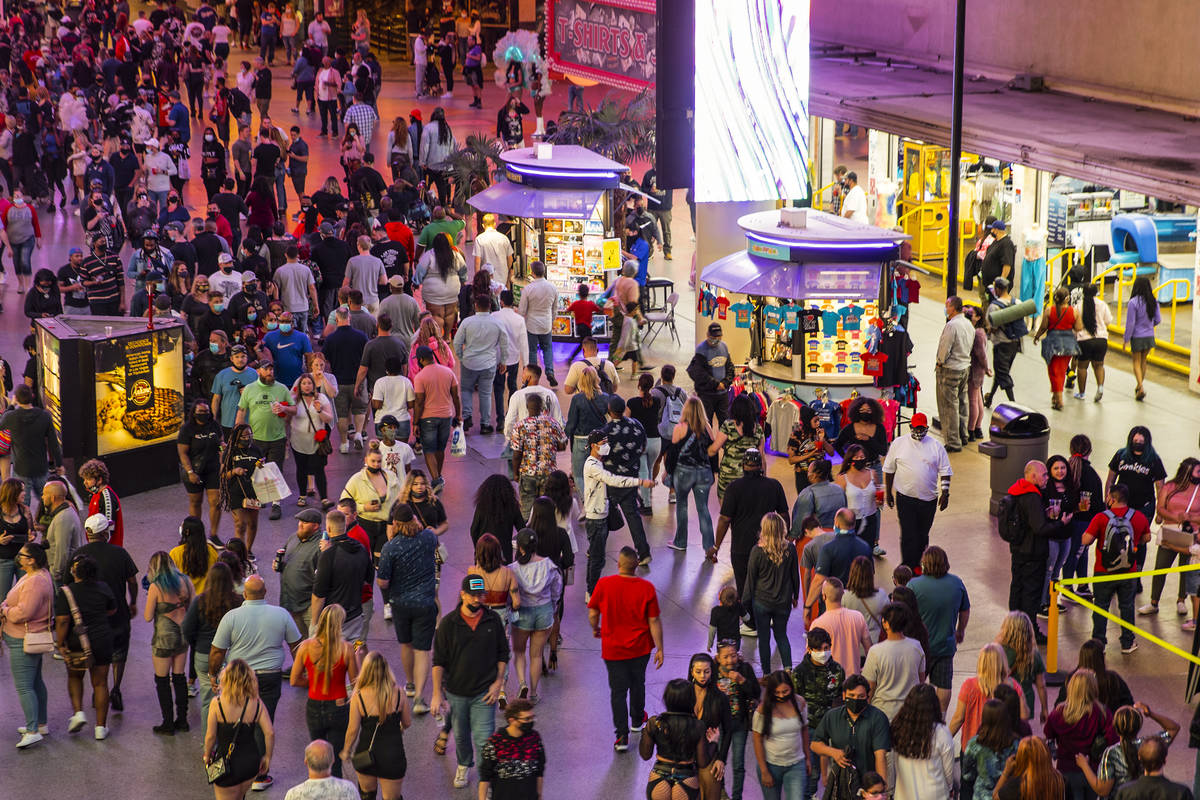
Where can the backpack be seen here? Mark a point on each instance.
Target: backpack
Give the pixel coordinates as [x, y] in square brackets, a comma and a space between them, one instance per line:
[606, 384]
[672, 410]
[1010, 521]
[1118, 550]
[239, 104]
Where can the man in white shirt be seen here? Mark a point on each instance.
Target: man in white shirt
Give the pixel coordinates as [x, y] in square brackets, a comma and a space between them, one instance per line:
[530, 377]
[329, 83]
[420, 60]
[518, 351]
[596, 480]
[493, 247]
[393, 396]
[365, 273]
[854, 206]
[318, 31]
[953, 367]
[591, 358]
[321, 785]
[539, 302]
[481, 345]
[916, 473]
[297, 287]
[225, 280]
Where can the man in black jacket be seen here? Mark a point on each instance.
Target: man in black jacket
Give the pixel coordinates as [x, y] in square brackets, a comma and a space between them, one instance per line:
[342, 568]
[470, 654]
[711, 371]
[1029, 553]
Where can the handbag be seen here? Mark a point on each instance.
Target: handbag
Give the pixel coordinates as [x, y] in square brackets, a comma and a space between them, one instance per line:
[268, 482]
[78, 661]
[1182, 535]
[218, 767]
[324, 446]
[364, 759]
[39, 642]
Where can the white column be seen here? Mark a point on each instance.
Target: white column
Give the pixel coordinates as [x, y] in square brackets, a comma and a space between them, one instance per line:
[1194, 358]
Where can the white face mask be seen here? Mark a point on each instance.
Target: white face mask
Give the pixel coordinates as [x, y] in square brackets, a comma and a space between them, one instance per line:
[821, 656]
[605, 449]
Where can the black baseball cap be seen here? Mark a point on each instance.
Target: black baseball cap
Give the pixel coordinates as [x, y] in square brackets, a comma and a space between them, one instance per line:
[715, 329]
[473, 584]
[597, 436]
[752, 459]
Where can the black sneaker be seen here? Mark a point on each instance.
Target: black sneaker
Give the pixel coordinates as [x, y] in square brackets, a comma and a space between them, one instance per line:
[622, 744]
[553, 383]
[276, 512]
[638, 727]
[1044, 612]
[166, 729]
[115, 701]
[216, 540]
[486, 430]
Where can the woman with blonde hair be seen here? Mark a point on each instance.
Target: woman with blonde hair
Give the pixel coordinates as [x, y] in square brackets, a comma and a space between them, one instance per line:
[430, 333]
[379, 714]
[1024, 660]
[992, 671]
[773, 588]
[167, 602]
[691, 440]
[230, 732]
[1075, 725]
[323, 663]
[587, 412]
[1033, 772]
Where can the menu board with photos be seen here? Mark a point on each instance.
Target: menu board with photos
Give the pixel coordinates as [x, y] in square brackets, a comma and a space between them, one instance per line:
[139, 389]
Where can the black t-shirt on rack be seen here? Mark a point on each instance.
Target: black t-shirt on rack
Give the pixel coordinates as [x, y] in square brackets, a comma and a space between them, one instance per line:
[896, 346]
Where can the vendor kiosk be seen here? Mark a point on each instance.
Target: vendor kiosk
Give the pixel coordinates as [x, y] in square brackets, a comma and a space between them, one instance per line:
[115, 390]
[560, 198]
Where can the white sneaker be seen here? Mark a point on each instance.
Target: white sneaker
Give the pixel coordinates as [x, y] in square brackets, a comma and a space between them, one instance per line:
[76, 722]
[1148, 609]
[29, 739]
[1181, 608]
[587, 598]
[42, 729]
[460, 776]
[746, 630]
[387, 611]
[344, 447]
[101, 733]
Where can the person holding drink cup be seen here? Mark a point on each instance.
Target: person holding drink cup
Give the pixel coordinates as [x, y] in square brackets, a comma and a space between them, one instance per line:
[863, 495]
[1062, 501]
[1091, 503]
[241, 458]
[807, 444]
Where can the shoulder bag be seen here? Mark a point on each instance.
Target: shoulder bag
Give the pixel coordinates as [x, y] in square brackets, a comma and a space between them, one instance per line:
[325, 445]
[365, 759]
[218, 767]
[78, 661]
[1181, 535]
[40, 642]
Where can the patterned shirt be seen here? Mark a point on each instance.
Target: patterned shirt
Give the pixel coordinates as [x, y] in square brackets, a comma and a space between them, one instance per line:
[538, 440]
[363, 117]
[626, 443]
[407, 564]
[512, 766]
[820, 685]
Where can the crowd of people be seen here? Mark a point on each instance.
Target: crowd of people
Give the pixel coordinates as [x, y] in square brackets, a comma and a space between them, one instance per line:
[357, 327]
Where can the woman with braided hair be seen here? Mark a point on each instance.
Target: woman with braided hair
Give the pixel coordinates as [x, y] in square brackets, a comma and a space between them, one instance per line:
[237, 490]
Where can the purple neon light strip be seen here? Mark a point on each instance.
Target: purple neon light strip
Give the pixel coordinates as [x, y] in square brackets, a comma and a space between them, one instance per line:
[824, 245]
[553, 173]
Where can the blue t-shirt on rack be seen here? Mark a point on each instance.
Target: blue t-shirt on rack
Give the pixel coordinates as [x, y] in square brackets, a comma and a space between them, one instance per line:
[829, 321]
[851, 318]
[741, 314]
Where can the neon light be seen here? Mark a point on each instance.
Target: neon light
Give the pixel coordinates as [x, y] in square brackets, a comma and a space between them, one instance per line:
[561, 173]
[810, 245]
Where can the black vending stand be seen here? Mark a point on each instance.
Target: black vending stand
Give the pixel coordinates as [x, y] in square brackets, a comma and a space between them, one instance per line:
[114, 389]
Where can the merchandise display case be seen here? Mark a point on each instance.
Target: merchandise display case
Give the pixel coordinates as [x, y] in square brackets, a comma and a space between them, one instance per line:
[115, 390]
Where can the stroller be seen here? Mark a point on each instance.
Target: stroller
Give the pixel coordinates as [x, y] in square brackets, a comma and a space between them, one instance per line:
[433, 80]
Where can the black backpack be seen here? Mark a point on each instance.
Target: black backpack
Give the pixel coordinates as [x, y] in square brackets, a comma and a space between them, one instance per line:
[1118, 548]
[606, 384]
[1010, 520]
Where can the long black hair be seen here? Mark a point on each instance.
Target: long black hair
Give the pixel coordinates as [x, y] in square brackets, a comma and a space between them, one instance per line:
[227, 462]
[439, 116]
[494, 501]
[558, 488]
[1148, 455]
[1141, 288]
[1089, 308]
[677, 731]
[713, 697]
[913, 727]
[742, 411]
[443, 254]
[194, 563]
[771, 683]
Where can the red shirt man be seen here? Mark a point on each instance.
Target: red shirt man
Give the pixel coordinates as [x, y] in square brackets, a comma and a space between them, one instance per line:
[623, 611]
[1118, 515]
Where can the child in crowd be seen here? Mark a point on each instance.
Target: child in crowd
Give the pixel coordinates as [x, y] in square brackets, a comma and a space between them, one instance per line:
[902, 574]
[583, 310]
[629, 345]
[396, 452]
[874, 787]
[818, 679]
[723, 620]
[810, 528]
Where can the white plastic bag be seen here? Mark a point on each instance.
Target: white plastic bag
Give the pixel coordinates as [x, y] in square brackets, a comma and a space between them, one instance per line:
[268, 482]
[458, 441]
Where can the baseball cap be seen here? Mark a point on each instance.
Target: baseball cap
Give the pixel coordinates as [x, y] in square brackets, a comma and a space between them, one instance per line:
[715, 329]
[396, 280]
[176, 226]
[388, 419]
[752, 459]
[309, 515]
[152, 142]
[999, 225]
[326, 229]
[96, 523]
[596, 436]
[424, 352]
[248, 277]
[402, 513]
[416, 114]
[473, 584]
[239, 348]
[75, 250]
[224, 258]
[919, 420]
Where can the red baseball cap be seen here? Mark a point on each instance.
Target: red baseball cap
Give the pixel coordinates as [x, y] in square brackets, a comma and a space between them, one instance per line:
[919, 420]
[416, 114]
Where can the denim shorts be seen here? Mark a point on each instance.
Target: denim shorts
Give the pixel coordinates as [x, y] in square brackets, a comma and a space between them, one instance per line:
[435, 433]
[1191, 582]
[536, 618]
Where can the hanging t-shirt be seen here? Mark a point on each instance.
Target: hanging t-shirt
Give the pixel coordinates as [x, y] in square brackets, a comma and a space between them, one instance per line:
[873, 364]
[791, 318]
[851, 318]
[896, 346]
[773, 316]
[830, 320]
[810, 320]
[914, 291]
[722, 304]
[741, 314]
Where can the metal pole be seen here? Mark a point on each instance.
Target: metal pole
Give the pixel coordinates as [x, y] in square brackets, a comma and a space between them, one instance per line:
[960, 30]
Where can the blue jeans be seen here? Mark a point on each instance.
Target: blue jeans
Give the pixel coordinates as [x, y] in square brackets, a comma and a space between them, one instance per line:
[22, 256]
[1057, 560]
[27, 677]
[1076, 565]
[1103, 592]
[653, 448]
[767, 618]
[499, 384]
[473, 721]
[159, 198]
[579, 456]
[545, 341]
[698, 481]
[737, 762]
[33, 487]
[8, 569]
[300, 321]
[478, 381]
[789, 781]
[200, 662]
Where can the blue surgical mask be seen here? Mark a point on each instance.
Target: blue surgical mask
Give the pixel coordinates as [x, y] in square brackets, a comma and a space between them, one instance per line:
[214, 347]
[285, 327]
[272, 326]
[252, 315]
[219, 307]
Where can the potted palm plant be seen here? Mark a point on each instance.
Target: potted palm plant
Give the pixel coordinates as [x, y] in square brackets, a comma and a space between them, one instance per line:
[473, 168]
[623, 132]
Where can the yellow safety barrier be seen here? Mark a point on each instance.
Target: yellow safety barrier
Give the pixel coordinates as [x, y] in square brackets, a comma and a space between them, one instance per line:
[1057, 588]
[821, 191]
[1051, 281]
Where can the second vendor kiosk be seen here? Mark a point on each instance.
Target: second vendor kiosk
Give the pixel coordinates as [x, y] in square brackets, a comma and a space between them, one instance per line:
[560, 198]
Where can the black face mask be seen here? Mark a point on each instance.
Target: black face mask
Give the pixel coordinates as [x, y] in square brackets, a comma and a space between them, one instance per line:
[374, 470]
[419, 492]
[856, 705]
[526, 727]
[473, 607]
[203, 417]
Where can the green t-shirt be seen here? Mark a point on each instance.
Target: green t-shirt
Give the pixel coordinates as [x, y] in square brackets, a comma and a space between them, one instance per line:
[257, 399]
[447, 225]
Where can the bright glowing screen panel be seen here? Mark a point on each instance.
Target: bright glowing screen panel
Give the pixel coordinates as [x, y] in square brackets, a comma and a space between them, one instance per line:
[751, 100]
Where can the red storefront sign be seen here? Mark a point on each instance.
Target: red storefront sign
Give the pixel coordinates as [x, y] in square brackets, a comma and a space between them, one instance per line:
[608, 41]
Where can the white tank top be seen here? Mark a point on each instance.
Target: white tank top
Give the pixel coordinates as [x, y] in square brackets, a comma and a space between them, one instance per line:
[861, 501]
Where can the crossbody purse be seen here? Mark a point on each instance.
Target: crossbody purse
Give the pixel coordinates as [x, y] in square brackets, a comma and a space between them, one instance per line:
[78, 661]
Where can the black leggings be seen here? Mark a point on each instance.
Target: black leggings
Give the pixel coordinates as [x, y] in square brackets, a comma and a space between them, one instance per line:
[313, 465]
[674, 775]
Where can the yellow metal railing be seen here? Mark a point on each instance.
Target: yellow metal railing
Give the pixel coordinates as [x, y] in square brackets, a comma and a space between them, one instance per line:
[1126, 275]
[1051, 281]
[821, 191]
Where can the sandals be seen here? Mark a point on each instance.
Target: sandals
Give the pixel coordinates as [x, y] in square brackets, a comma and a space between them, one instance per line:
[552, 665]
[439, 744]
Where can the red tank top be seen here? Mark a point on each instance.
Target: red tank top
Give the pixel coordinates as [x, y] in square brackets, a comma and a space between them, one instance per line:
[321, 689]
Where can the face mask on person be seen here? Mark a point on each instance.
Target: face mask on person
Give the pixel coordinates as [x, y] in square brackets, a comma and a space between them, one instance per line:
[18, 200]
[526, 727]
[285, 327]
[419, 492]
[251, 315]
[859, 463]
[1138, 447]
[272, 326]
[820, 656]
[208, 137]
[214, 347]
[605, 449]
[712, 342]
[856, 705]
[374, 470]
[472, 608]
[919, 433]
[218, 307]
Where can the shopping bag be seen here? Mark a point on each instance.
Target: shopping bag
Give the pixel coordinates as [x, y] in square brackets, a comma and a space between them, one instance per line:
[458, 441]
[269, 485]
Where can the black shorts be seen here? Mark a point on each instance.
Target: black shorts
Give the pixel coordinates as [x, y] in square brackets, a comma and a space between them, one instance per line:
[1093, 350]
[941, 672]
[120, 645]
[415, 625]
[209, 480]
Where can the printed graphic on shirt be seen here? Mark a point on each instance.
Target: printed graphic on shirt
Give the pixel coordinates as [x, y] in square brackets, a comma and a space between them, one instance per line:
[741, 314]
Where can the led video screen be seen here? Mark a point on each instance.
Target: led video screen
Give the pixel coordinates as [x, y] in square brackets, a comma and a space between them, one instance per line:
[751, 123]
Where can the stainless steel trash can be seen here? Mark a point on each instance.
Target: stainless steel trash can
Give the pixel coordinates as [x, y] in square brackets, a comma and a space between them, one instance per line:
[1017, 436]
